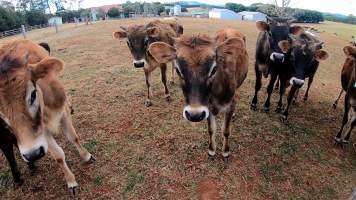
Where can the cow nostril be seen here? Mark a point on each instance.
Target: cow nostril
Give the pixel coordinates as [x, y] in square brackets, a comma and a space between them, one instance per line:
[203, 114]
[139, 64]
[187, 115]
[35, 155]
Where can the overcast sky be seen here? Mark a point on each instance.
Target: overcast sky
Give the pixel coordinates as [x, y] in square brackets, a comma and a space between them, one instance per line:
[333, 6]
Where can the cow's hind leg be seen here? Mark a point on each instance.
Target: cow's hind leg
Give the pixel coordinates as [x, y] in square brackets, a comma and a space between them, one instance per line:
[212, 133]
[69, 131]
[164, 81]
[148, 101]
[350, 125]
[58, 155]
[9, 154]
[270, 91]
[257, 87]
[337, 99]
[227, 131]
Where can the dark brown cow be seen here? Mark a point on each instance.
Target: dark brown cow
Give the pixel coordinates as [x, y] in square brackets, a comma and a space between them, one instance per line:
[210, 74]
[348, 82]
[138, 39]
[33, 107]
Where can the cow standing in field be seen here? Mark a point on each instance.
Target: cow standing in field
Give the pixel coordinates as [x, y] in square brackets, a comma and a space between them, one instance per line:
[306, 53]
[271, 59]
[348, 82]
[139, 37]
[33, 107]
[210, 71]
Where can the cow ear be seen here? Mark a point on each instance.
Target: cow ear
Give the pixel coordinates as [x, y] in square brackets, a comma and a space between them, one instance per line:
[262, 26]
[47, 68]
[120, 34]
[296, 30]
[350, 51]
[152, 32]
[285, 45]
[229, 46]
[321, 55]
[162, 52]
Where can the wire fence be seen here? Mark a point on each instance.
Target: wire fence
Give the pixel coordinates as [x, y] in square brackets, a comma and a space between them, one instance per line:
[22, 30]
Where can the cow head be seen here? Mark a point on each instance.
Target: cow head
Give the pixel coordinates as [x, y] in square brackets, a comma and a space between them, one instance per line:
[277, 30]
[197, 62]
[139, 37]
[307, 53]
[22, 102]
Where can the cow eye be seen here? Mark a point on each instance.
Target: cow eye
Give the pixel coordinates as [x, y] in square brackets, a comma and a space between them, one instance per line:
[213, 69]
[33, 97]
[178, 72]
[128, 43]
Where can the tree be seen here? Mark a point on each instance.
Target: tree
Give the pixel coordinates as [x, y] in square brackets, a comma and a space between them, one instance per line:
[280, 6]
[34, 17]
[114, 12]
[235, 7]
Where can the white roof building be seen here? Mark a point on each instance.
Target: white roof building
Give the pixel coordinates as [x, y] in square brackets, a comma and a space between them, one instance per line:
[55, 20]
[224, 14]
[252, 16]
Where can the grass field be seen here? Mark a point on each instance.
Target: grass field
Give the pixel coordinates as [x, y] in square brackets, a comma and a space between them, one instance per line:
[153, 153]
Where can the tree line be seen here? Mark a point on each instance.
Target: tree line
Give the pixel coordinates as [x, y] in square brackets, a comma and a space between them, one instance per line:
[301, 15]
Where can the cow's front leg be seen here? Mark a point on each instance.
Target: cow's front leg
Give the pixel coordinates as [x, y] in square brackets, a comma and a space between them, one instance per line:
[164, 81]
[350, 125]
[58, 155]
[258, 86]
[290, 99]
[212, 134]
[9, 155]
[69, 131]
[227, 131]
[344, 121]
[337, 99]
[310, 81]
[269, 92]
[148, 101]
[282, 90]
[173, 74]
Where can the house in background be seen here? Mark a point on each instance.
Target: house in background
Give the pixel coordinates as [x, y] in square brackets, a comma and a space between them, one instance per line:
[252, 16]
[225, 14]
[175, 11]
[94, 11]
[55, 20]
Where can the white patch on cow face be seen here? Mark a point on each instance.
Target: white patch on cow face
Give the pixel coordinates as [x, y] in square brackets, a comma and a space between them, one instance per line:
[296, 81]
[30, 146]
[139, 61]
[32, 99]
[278, 55]
[178, 70]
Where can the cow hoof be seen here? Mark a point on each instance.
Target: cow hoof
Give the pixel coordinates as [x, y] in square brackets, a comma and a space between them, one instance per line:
[73, 191]
[278, 109]
[266, 109]
[253, 107]
[171, 83]
[305, 98]
[334, 106]
[148, 103]
[18, 182]
[168, 98]
[91, 160]
[226, 160]
[284, 119]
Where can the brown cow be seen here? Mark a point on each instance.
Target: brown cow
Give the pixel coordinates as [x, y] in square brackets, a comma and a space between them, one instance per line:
[138, 39]
[210, 74]
[33, 105]
[348, 82]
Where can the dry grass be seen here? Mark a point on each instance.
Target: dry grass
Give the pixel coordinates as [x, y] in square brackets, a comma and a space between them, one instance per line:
[152, 153]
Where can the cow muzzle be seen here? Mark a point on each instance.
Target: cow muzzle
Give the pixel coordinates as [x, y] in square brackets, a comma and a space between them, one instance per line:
[297, 82]
[36, 151]
[195, 113]
[277, 57]
[139, 63]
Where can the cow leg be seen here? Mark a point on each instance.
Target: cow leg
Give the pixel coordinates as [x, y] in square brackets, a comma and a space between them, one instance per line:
[310, 81]
[173, 74]
[69, 131]
[344, 121]
[282, 90]
[57, 153]
[212, 134]
[295, 98]
[227, 130]
[9, 155]
[164, 81]
[290, 99]
[270, 91]
[148, 101]
[337, 99]
[351, 125]
[257, 87]
[277, 84]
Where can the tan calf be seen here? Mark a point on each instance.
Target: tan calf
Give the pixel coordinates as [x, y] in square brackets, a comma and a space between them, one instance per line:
[33, 104]
[210, 72]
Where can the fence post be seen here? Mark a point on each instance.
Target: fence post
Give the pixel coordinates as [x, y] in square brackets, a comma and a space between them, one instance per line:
[56, 26]
[23, 30]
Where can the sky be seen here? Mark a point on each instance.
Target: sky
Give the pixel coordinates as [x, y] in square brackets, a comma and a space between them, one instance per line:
[345, 7]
